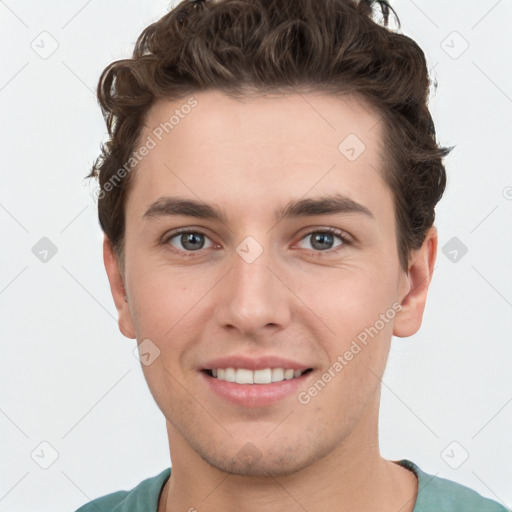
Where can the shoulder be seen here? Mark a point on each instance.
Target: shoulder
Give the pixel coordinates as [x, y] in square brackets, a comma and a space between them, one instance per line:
[440, 494]
[143, 497]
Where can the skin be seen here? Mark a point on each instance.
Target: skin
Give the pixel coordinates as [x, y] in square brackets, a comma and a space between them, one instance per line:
[250, 158]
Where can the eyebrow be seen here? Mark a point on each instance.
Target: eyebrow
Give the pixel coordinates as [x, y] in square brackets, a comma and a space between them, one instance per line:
[327, 205]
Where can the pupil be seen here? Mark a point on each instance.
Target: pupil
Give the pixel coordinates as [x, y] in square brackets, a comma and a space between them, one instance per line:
[322, 237]
[193, 239]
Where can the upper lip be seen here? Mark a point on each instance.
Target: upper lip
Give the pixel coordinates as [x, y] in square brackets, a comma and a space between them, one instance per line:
[254, 363]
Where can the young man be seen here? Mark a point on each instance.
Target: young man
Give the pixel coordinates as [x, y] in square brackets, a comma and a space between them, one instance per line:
[267, 196]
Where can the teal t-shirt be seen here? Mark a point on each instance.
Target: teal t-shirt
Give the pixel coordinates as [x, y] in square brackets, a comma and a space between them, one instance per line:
[435, 494]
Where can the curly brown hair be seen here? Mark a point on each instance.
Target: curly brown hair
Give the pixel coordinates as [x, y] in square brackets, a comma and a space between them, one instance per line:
[244, 47]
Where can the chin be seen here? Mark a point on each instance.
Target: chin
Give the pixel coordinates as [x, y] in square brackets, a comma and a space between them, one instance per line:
[260, 468]
[250, 461]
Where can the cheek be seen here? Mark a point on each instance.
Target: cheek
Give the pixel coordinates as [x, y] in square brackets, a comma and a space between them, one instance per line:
[166, 305]
[351, 300]
[359, 310]
[161, 297]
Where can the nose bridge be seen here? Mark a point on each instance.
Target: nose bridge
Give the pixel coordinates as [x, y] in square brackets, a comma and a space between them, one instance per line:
[254, 297]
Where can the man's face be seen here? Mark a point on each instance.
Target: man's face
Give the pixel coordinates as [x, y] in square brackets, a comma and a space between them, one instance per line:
[259, 285]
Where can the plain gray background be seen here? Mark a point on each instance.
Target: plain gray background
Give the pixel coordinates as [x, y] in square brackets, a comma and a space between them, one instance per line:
[70, 380]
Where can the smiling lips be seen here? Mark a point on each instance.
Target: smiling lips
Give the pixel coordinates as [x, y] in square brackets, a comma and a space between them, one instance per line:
[255, 381]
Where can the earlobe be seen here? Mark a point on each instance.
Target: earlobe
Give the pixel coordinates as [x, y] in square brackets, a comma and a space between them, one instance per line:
[419, 276]
[118, 290]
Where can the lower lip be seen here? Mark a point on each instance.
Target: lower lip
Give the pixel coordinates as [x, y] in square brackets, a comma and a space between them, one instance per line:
[255, 395]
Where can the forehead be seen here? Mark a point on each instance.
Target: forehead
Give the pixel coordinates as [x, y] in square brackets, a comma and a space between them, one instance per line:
[258, 149]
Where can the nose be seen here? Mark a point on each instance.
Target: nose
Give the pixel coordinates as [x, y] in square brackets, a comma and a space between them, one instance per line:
[254, 296]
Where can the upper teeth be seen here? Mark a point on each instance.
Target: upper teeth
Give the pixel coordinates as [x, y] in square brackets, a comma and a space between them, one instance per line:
[266, 376]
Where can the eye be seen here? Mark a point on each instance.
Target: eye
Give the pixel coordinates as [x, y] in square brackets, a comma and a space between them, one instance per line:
[193, 241]
[188, 241]
[322, 240]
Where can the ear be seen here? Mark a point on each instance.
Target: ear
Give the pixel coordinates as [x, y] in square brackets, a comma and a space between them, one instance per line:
[415, 288]
[118, 289]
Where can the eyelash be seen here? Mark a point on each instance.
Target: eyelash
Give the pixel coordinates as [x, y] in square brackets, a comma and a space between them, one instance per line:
[333, 231]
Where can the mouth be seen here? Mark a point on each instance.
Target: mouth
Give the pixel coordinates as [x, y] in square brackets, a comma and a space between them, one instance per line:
[255, 380]
[261, 377]
[259, 388]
